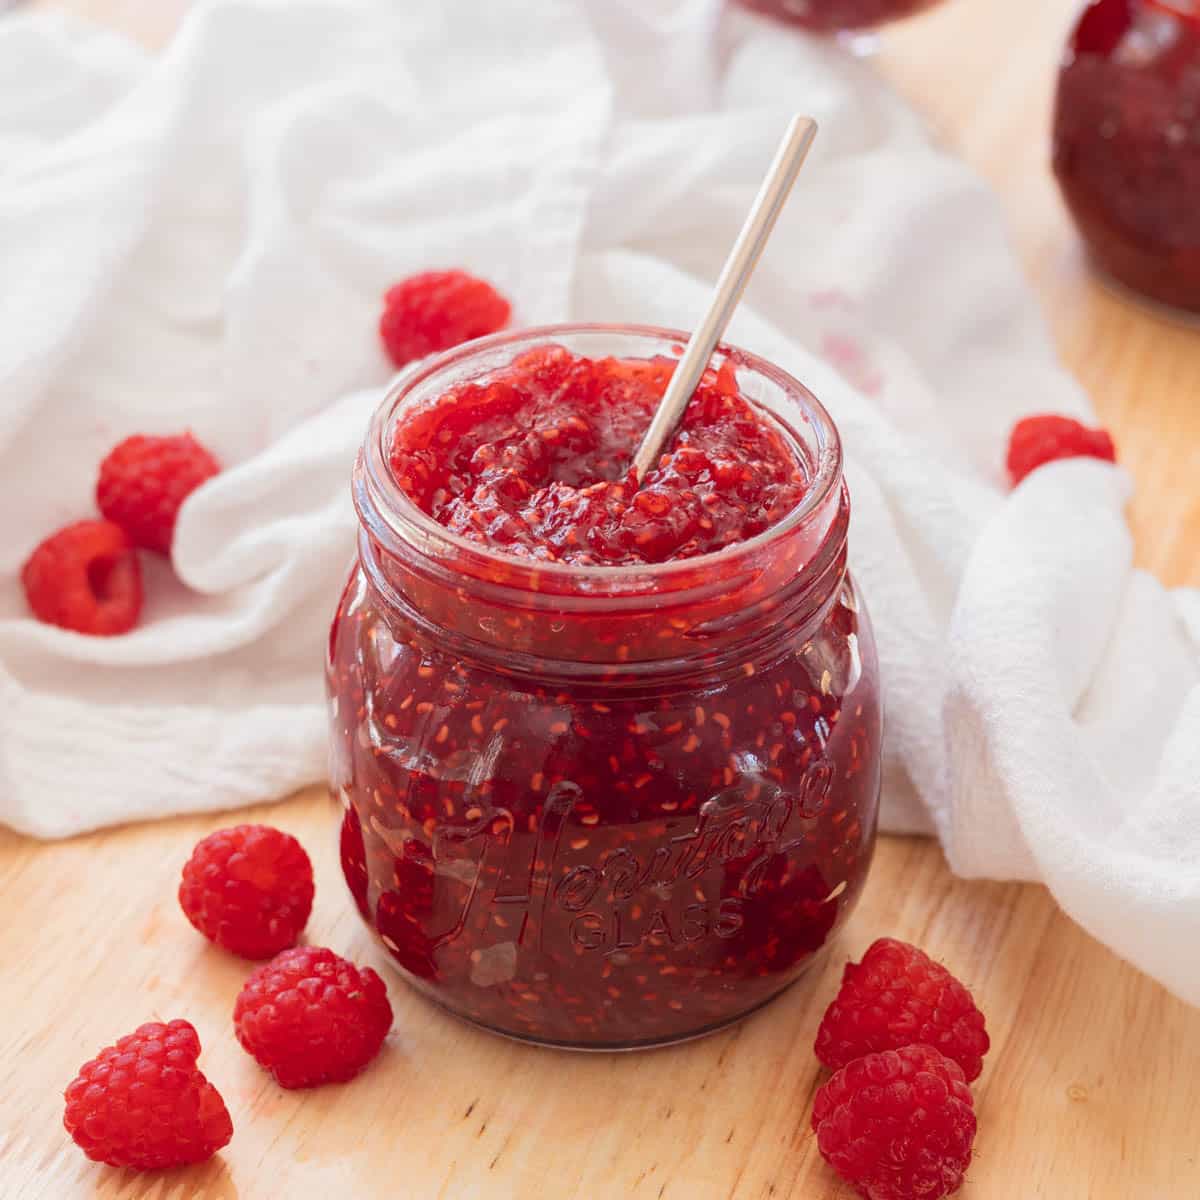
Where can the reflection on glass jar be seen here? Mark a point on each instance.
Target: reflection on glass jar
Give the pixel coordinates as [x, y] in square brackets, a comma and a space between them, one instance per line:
[604, 807]
[1127, 143]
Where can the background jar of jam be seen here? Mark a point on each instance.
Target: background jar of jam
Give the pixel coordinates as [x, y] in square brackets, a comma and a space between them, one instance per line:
[604, 807]
[835, 16]
[1127, 143]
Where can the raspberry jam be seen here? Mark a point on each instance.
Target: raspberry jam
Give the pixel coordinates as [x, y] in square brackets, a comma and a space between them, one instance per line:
[834, 16]
[1127, 143]
[536, 462]
[608, 776]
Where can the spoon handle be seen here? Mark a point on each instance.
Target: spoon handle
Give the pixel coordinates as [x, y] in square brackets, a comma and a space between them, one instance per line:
[735, 274]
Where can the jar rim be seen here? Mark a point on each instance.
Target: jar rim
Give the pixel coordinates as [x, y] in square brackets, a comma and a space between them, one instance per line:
[390, 515]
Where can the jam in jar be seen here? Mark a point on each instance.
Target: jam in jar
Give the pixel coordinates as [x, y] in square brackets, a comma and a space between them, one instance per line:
[835, 16]
[607, 757]
[1127, 143]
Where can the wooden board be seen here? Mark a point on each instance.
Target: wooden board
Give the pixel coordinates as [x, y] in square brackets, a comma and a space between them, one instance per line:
[1092, 1091]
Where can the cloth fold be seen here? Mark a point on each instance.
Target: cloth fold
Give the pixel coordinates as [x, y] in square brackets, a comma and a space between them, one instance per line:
[200, 240]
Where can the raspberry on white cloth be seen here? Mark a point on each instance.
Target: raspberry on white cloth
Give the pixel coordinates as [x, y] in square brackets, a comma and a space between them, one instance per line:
[143, 482]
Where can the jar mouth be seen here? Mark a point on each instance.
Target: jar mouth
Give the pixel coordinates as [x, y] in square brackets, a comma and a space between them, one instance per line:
[393, 519]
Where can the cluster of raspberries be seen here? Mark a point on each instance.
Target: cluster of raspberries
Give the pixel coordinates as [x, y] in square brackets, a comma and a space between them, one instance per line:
[904, 1039]
[307, 1016]
[87, 576]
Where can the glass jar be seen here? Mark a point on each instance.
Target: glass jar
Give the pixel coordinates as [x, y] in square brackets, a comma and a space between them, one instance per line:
[836, 16]
[603, 807]
[1127, 143]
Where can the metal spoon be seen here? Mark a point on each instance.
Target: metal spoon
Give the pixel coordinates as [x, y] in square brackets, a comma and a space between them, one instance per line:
[735, 274]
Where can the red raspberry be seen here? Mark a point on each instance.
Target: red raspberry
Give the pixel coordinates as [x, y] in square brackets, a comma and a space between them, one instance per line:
[310, 1017]
[896, 996]
[897, 1125]
[143, 1104]
[249, 889]
[1035, 441]
[437, 310]
[144, 480]
[85, 577]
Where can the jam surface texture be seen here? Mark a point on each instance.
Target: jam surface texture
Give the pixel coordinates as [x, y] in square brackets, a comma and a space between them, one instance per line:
[536, 462]
[594, 818]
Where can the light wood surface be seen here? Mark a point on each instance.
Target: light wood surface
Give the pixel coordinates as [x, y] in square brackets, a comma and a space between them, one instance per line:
[1092, 1090]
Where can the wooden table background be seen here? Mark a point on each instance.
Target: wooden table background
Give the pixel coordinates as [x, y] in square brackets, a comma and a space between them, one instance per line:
[1092, 1090]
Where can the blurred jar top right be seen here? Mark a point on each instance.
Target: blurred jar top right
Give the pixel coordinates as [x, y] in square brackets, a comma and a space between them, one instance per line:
[836, 16]
[1127, 143]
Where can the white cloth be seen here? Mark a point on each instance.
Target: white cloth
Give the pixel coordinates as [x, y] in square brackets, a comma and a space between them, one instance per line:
[201, 239]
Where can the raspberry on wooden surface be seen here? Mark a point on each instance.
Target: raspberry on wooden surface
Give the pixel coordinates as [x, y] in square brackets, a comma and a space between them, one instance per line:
[142, 1103]
[438, 310]
[310, 1017]
[86, 577]
[249, 889]
[898, 1125]
[143, 481]
[896, 996]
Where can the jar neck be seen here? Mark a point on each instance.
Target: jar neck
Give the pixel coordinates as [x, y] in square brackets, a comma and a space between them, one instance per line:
[606, 622]
[719, 624]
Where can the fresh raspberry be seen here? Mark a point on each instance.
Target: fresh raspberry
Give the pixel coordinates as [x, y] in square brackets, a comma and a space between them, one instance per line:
[1035, 441]
[896, 996]
[310, 1017]
[249, 889]
[144, 480]
[85, 577]
[437, 310]
[897, 1125]
[143, 1104]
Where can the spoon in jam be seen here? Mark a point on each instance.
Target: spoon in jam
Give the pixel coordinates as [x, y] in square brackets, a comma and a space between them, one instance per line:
[735, 274]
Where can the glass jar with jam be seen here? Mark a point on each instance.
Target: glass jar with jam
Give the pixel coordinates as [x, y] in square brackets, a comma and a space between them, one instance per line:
[607, 757]
[837, 16]
[1127, 143]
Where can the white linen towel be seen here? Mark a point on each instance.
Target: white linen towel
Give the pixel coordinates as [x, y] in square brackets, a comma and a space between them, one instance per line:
[201, 239]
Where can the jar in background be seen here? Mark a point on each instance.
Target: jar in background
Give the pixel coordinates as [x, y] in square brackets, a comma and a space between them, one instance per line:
[604, 807]
[836, 16]
[1127, 143]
